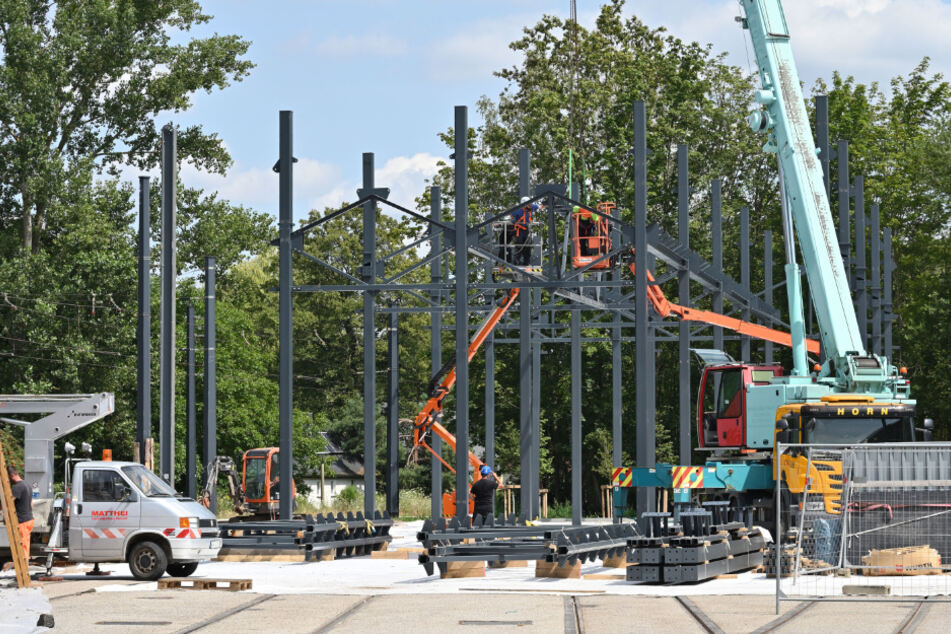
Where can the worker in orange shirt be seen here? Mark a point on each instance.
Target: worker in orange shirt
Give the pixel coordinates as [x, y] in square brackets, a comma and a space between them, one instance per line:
[23, 505]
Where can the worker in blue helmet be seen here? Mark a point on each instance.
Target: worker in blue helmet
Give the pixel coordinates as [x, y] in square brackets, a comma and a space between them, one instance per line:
[483, 490]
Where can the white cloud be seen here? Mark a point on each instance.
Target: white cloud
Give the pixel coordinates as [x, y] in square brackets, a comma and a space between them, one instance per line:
[874, 40]
[475, 52]
[359, 45]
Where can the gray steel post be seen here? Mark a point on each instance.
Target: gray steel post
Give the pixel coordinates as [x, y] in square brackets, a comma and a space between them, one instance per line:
[716, 226]
[861, 297]
[191, 488]
[576, 437]
[525, 400]
[144, 323]
[536, 418]
[490, 390]
[393, 421]
[286, 323]
[768, 287]
[822, 138]
[435, 347]
[844, 201]
[875, 282]
[617, 387]
[683, 293]
[745, 275]
[462, 312]
[645, 426]
[167, 327]
[369, 342]
[524, 173]
[887, 269]
[210, 431]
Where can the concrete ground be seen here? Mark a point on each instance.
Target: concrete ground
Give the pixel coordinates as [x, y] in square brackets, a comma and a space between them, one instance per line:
[395, 595]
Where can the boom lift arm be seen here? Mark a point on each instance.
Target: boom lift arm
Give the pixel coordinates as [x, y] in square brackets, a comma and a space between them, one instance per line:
[428, 418]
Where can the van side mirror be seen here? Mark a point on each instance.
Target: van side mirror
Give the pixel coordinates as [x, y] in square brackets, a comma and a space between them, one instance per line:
[928, 423]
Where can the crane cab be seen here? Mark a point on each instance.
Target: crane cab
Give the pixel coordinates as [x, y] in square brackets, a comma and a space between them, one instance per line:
[722, 404]
[590, 237]
[260, 475]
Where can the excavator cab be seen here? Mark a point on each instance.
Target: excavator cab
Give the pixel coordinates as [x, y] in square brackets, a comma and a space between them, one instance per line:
[722, 415]
[591, 237]
[260, 479]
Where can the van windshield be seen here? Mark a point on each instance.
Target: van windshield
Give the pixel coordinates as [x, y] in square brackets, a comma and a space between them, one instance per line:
[147, 482]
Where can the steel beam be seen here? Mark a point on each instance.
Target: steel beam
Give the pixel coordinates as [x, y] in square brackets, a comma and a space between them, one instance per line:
[462, 311]
[144, 323]
[191, 486]
[576, 438]
[768, 287]
[844, 192]
[887, 270]
[393, 420]
[369, 341]
[210, 431]
[716, 226]
[822, 139]
[861, 296]
[286, 325]
[435, 346]
[683, 294]
[645, 426]
[875, 282]
[167, 328]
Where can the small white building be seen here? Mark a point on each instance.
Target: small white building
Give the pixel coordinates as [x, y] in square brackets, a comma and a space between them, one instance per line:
[344, 471]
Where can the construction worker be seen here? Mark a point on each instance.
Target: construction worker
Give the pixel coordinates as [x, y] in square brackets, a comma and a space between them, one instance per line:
[484, 492]
[587, 228]
[23, 505]
[520, 240]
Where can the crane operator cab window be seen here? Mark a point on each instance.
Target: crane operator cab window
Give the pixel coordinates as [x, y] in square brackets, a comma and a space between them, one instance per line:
[274, 483]
[723, 410]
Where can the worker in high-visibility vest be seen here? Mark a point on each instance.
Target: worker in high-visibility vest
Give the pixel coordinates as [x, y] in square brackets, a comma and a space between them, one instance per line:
[521, 235]
[587, 229]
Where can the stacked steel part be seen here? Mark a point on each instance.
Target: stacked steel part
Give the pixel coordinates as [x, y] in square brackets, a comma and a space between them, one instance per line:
[696, 550]
[506, 539]
[313, 536]
[588, 543]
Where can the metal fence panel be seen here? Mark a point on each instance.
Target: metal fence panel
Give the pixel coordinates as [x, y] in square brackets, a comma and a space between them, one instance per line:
[864, 522]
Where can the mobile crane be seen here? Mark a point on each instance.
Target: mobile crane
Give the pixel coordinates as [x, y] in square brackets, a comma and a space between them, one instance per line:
[853, 396]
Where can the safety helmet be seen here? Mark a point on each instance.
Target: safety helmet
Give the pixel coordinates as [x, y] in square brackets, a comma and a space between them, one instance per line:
[524, 199]
[584, 213]
[485, 470]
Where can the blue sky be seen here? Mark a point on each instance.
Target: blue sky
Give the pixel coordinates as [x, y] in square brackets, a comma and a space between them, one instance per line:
[384, 75]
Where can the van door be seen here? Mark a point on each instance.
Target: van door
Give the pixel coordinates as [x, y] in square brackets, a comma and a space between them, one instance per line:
[105, 510]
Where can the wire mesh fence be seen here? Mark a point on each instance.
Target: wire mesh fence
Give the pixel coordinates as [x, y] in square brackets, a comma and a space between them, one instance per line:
[866, 522]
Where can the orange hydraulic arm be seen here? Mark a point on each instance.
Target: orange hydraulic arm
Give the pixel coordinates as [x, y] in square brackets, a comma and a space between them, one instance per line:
[664, 308]
[426, 419]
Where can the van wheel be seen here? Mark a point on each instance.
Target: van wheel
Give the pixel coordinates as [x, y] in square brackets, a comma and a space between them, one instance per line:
[182, 570]
[147, 561]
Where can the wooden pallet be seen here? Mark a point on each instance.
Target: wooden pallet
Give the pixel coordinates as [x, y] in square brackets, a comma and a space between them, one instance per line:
[174, 583]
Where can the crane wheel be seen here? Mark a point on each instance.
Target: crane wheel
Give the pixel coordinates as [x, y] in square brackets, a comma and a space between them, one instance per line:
[147, 561]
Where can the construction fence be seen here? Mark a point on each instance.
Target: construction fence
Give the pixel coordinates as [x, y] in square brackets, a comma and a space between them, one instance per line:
[863, 522]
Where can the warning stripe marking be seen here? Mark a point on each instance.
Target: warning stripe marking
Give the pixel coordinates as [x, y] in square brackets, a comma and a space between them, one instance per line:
[622, 477]
[687, 477]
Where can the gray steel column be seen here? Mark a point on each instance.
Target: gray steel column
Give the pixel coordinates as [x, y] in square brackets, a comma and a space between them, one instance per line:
[683, 293]
[191, 489]
[887, 269]
[861, 298]
[525, 367]
[210, 431]
[435, 347]
[489, 386]
[875, 284]
[822, 138]
[144, 323]
[768, 287]
[169, 275]
[645, 426]
[536, 417]
[525, 401]
[844, 201]
[745, 276]
[462, 312]
[393, 421]
[576, 437]
[369, 342]
[716, 226]
[285, 400]
[617, 386]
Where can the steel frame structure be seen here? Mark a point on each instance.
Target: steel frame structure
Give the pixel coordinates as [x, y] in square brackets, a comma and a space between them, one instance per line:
[602, 300]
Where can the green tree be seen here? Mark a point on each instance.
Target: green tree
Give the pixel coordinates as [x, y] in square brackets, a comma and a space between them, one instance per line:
[81, 82]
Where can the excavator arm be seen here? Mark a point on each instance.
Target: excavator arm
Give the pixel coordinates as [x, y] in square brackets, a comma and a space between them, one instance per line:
[665, 308]
[442, 383]
[223, 465]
